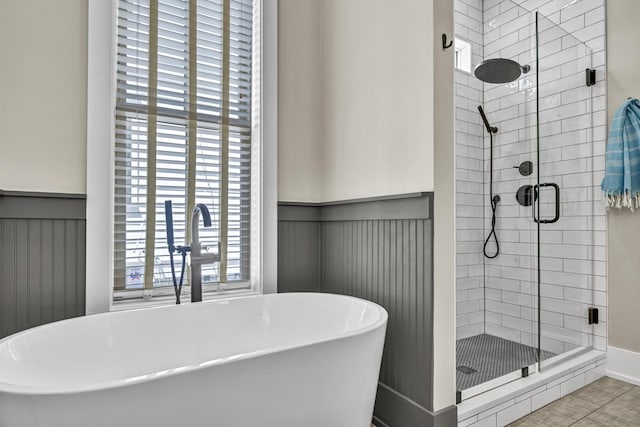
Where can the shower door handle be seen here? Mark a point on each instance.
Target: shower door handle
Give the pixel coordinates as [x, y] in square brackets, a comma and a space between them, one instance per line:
[557, 193]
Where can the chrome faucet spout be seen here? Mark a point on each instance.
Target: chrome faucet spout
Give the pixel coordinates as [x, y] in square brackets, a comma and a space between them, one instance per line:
[198, 259]
[200, 209]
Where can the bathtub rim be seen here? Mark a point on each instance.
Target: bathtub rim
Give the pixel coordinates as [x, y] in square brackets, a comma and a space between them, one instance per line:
[49, 390]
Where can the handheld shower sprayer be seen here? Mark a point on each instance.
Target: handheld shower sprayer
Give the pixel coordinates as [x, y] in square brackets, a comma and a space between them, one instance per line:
[493, 199]
[177, 284]
[490, 129]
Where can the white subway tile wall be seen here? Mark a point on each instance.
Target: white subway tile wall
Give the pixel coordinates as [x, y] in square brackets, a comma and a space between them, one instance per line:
[572, 146]
[469, 175]
[572, 142]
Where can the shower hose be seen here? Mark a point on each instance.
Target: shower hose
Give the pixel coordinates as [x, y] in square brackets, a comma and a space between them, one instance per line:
[494, 206]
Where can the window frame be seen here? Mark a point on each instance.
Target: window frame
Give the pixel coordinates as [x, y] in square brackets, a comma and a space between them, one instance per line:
[101, 93]
[466, 50]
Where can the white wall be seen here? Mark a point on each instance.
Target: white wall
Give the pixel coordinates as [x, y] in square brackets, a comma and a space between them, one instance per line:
[43, 81]
[378, 70]
[357, 118]
[300, 101]
[444, 213]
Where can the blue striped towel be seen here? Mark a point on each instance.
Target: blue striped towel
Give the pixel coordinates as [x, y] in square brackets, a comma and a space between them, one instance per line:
[621, 183]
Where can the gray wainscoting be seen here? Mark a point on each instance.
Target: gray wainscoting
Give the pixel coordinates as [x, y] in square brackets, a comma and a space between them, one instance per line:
[380, 250]
[299, 249]
[42, 259]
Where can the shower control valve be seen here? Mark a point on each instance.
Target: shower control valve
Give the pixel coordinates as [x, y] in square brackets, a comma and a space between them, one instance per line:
[525, 168]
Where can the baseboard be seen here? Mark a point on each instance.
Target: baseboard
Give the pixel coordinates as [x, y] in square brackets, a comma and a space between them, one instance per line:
[395, 410]
[623, 365]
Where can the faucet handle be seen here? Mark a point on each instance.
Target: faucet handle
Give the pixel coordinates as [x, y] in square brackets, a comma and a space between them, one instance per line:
[205, 257]
[205, 248]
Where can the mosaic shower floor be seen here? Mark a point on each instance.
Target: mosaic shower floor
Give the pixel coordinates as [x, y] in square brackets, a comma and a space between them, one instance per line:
[482, 358]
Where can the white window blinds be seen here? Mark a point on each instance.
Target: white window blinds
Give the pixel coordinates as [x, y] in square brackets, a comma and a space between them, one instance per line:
[183, 133]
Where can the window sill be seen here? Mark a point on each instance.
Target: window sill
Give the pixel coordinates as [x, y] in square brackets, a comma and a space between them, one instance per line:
[167, 300]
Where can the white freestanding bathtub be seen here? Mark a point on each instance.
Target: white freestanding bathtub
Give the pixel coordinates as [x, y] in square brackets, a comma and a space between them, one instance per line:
[284, 360]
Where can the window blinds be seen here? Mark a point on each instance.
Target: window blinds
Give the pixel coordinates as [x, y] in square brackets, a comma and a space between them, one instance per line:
[183, 133]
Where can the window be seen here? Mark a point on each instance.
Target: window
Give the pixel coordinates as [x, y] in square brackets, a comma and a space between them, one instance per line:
[183, 132]
[462, 55]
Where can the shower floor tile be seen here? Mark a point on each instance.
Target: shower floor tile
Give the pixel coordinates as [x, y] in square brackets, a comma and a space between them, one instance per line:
[485, 357]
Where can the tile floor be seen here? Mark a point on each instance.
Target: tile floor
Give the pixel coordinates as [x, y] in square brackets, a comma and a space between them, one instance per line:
[606, 402]
[490, 357]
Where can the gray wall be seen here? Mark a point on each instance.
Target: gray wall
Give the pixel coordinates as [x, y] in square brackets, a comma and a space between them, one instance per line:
[382, 251]
[623, 37]
[298, 249]
[42, 259]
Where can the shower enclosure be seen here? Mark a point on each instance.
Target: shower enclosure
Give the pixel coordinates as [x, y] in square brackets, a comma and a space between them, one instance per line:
[530, 233]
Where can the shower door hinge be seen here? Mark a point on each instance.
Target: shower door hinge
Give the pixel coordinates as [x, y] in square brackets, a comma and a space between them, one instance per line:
[591, 77]
[593, 316]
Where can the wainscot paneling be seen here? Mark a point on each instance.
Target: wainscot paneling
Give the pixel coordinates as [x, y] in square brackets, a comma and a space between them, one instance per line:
[42, 259]
[380, 250]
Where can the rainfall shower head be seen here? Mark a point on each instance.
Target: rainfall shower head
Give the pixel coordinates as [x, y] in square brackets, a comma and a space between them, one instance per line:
[499, 70]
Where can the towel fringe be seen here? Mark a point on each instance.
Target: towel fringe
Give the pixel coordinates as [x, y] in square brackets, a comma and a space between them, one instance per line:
[622, 200]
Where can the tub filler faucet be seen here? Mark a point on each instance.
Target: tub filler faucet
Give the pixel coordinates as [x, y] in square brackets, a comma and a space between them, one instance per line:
[198, 258]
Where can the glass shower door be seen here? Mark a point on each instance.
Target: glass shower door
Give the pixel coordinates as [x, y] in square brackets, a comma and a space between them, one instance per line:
[506, 349]
[564, 192]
